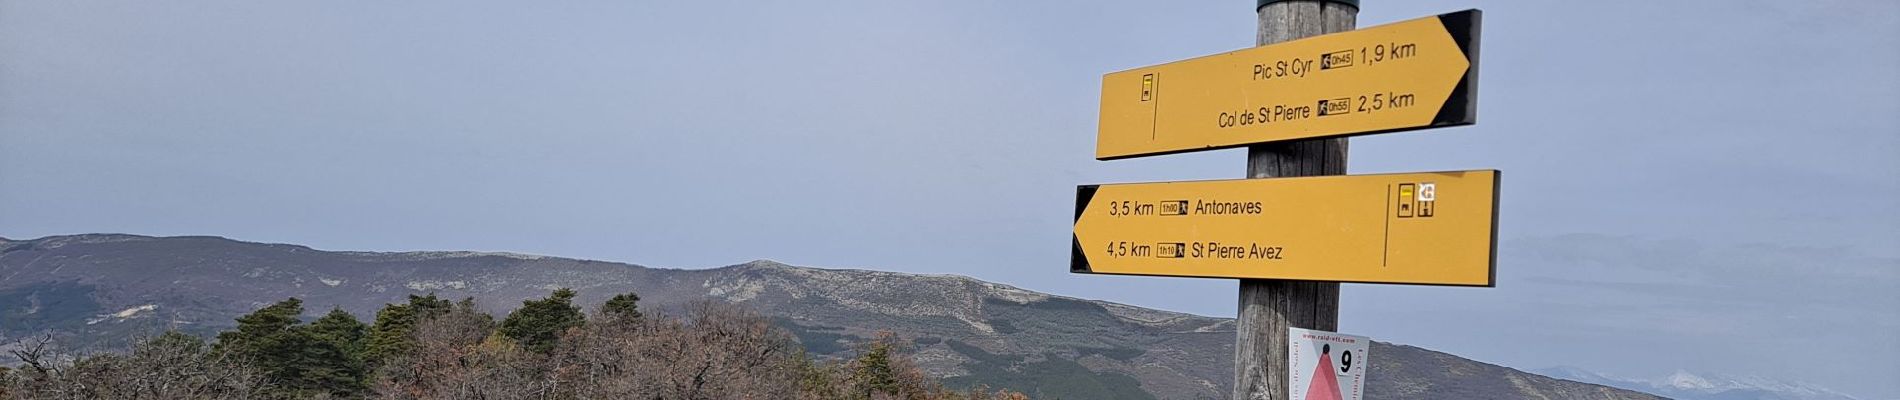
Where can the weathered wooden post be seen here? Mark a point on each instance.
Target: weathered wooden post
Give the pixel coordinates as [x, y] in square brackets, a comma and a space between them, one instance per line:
[1269, 307]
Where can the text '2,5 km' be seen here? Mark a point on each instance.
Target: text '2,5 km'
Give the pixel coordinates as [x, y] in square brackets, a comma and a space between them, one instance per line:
[1408, 75]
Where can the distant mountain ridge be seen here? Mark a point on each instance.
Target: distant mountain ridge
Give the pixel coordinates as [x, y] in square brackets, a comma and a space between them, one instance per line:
[105, 287]
[1683, 385]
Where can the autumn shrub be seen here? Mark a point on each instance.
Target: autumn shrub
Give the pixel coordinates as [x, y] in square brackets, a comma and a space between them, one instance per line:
[430, 348]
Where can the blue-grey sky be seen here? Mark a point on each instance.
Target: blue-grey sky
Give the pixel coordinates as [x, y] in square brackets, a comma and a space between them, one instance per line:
[1700, 185]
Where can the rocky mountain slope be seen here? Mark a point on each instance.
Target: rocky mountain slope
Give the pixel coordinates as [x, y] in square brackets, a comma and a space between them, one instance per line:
[103, 288]
[1683, 385]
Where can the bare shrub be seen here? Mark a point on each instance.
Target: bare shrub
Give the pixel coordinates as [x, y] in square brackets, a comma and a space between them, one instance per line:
[458, 355]
[882, 370]
[719, 351]
[168, 366]
[715, 350]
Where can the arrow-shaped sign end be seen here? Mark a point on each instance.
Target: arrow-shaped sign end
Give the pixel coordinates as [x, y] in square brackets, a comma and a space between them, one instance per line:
[1078, 261]
[1461, 108]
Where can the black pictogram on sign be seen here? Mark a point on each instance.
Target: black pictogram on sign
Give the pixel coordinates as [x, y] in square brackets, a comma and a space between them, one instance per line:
[1407, 192]
[1417, 200]
[1147, 87]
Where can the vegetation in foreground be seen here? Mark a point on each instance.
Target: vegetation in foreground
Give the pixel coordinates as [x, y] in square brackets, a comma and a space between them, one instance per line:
[432, 348]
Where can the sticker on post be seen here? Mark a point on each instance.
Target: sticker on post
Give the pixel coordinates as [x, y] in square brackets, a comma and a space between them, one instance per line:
[1326, 365]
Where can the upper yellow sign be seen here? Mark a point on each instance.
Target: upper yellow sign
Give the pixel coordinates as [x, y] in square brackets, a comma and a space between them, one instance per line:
[1415, 74]
[1436, 228]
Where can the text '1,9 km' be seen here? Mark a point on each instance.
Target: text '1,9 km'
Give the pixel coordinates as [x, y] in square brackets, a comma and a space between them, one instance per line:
[1408, 75]
[1307, 224]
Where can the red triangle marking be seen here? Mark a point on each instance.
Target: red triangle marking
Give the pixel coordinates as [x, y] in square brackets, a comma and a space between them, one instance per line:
[1325, 382]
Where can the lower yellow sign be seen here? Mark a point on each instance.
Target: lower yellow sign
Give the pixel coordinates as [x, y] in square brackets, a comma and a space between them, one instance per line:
[1434, 228]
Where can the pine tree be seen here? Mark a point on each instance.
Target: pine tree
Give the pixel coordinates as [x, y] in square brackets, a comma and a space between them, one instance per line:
[874, 372]
[393, 334]
[303, 360]
[624, 307]
[342, 327]
[538, 324]
[269, 338]
[257, 327]
[335, 356]
[881, 370]
[262, 336]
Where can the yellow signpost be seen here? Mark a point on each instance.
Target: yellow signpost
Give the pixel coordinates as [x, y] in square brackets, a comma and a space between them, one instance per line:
[1408, 75]
[1435, 228]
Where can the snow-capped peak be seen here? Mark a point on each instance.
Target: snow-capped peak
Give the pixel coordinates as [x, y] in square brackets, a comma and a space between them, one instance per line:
[1685, 380]
[1690, 386]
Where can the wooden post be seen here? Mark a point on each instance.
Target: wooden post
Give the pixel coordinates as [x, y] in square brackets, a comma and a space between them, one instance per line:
[1269, 307]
